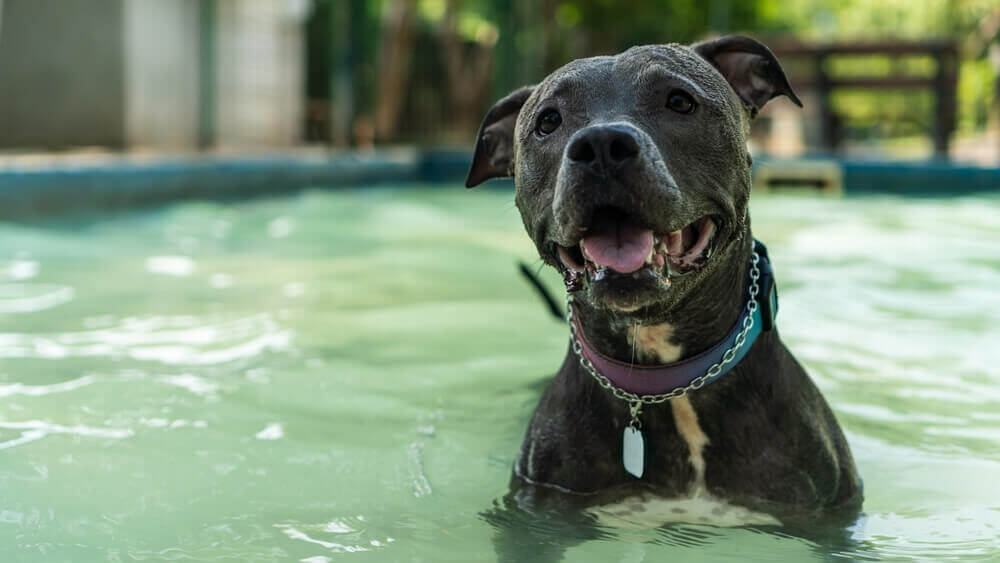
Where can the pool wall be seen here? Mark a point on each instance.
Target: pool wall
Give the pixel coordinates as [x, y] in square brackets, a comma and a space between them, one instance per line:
[44, 187]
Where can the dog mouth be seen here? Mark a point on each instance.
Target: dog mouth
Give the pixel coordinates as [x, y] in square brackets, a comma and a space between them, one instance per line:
[616, 245]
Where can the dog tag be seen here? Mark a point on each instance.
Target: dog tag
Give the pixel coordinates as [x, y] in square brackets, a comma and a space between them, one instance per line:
[633, 451]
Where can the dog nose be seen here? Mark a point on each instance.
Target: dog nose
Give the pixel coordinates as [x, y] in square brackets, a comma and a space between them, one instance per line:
[603, 148]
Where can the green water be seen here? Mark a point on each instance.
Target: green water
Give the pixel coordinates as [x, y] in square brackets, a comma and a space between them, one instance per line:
[347, 376]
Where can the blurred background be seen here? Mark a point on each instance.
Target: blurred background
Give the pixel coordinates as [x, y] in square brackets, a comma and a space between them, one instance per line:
[348, 365]
[892, 79]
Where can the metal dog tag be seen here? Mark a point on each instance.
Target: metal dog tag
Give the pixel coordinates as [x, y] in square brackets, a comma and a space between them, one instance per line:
[633, 451]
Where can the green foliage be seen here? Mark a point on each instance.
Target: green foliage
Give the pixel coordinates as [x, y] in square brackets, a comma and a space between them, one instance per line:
[607, 26]
[976, 88]
[848, 19]
[532, 37]
[474, 20]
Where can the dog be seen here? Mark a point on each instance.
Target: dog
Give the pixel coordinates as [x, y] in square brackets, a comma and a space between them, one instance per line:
[632, 178]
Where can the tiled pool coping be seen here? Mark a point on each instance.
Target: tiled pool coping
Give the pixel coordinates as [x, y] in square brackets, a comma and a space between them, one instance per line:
[32, 187]
[41, 186]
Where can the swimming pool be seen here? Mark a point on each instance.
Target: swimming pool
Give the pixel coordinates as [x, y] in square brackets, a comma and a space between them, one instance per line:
[347, 375]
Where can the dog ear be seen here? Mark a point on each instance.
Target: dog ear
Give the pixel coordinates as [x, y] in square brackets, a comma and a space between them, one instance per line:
[495, 141]
[750, 67]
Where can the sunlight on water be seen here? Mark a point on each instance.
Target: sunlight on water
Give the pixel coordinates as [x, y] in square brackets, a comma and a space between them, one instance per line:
[349, 375]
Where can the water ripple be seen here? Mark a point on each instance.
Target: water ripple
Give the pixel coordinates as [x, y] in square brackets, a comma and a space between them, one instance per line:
[31, 298]
[39, 390]
[32, 430]
[342, 535]
[179, 266]
[273, 431]
[14, 270]
[168, 340]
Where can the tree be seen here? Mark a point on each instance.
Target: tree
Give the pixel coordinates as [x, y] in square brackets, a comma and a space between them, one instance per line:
[394, 68]
[469, 64]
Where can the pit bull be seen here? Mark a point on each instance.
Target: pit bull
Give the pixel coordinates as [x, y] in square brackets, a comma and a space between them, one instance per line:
[632, 178]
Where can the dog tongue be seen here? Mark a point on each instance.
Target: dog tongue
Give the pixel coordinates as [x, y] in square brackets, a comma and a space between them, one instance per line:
[618, 244]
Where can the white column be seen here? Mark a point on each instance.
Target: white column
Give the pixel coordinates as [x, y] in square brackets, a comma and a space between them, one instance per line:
[161, 74]
[260, 71]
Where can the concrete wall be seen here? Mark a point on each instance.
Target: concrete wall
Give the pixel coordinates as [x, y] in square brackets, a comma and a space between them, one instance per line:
[260, 57]
[161, 73]
[258, 90]
[125, 73]
[61, 74]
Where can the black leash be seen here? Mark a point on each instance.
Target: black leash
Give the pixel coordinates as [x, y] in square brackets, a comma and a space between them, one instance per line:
[543, 291]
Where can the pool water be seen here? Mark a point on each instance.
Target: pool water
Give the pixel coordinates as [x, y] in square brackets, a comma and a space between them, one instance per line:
[347, 376]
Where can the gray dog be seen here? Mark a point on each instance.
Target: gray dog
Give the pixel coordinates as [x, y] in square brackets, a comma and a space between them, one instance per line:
[632, 178]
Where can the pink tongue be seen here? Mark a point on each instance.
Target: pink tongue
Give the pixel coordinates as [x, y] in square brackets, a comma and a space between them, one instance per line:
[619, 245]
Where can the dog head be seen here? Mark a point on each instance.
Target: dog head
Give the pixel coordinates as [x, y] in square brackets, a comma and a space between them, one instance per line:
[632, 171]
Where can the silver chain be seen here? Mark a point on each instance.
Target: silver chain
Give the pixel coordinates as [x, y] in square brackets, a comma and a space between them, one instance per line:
[637, 401]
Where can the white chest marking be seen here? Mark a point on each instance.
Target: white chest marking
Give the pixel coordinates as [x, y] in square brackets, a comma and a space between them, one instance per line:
[654, 343]
[648, 511]
[687, 426]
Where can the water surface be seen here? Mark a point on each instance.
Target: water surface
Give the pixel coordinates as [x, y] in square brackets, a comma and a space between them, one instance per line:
[347, 376]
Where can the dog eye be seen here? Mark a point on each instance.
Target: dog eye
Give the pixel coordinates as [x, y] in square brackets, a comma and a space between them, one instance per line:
[548, 122]
[681, 102]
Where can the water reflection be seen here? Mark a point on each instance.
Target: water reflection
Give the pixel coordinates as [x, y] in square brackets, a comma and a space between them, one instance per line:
[18, 269]
[178, 340]
[40, 390]
[342, 535]
[24, 298]
[32, 430]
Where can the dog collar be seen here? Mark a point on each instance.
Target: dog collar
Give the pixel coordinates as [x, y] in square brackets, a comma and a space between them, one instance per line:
[645, 384]
[759, 314]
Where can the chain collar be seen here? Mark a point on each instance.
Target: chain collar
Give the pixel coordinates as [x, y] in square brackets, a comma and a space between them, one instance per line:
[745, 334]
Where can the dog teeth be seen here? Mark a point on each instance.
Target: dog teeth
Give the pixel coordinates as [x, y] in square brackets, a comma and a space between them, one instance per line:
[675, 243]
[600, 273]
[583, 250]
